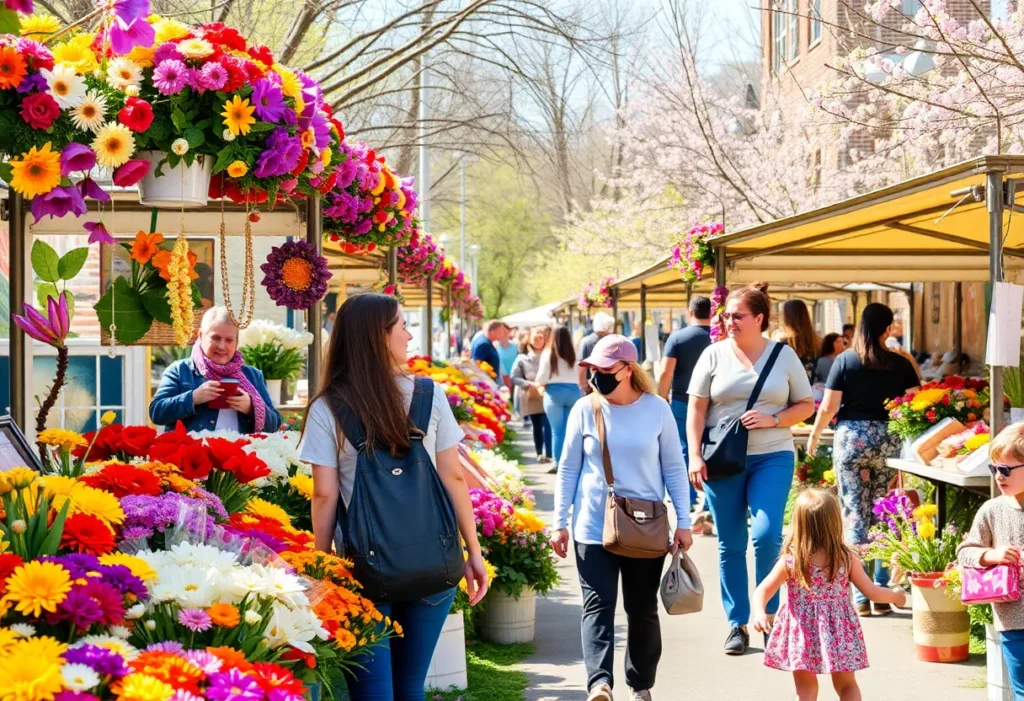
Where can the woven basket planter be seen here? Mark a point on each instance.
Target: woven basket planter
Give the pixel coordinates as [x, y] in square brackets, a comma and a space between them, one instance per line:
[159, 334]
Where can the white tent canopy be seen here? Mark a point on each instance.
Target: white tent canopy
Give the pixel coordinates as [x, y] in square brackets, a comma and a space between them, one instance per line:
[532, 317]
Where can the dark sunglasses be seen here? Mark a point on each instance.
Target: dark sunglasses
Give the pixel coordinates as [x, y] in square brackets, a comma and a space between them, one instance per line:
[726, 316]
[1003, 470]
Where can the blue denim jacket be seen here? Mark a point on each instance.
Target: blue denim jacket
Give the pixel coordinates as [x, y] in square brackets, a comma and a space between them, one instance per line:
[173, 401]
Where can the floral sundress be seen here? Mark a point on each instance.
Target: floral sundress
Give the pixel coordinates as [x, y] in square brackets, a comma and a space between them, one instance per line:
[817, 629]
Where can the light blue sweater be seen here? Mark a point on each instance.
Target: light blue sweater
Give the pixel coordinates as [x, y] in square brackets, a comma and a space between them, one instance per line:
[647, 460]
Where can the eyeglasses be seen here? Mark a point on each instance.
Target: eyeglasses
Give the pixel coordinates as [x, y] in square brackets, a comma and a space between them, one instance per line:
[735, 316]
[1003, 470]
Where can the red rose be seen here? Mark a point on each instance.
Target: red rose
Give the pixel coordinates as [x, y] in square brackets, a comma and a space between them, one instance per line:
[85, 533]
[136, 440]
[39, 110]
[136, 114]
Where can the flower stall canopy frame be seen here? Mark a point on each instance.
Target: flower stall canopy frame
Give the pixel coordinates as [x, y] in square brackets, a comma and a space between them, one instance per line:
[362, 272]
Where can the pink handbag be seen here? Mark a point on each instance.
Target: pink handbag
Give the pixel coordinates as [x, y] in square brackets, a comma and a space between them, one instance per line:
[999, 584]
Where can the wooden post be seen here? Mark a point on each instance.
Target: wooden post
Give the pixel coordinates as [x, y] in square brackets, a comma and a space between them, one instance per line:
[643, 322]
[314, 322]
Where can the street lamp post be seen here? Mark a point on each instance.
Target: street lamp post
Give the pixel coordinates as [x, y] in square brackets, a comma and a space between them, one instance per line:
[474, 253]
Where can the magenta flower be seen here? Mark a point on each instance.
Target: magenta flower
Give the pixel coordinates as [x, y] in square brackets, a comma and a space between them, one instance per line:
[57, 202]
[131, 172]
[76, 157]
[268, 100]
[233, 686]
[214, 76]
[196, 620]
[125, 36]
[98, 233]
[51, 329]
[91, 189]
[25, 7]
[169, 77]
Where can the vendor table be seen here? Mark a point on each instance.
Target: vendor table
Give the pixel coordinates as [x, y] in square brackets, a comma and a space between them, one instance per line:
[940, 478]
[802, 431]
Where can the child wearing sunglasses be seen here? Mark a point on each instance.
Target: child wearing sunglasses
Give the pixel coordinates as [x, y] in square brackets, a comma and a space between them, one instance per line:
[997, 538]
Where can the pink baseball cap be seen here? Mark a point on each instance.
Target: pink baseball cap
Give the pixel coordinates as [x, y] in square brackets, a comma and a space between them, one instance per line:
[610, 350]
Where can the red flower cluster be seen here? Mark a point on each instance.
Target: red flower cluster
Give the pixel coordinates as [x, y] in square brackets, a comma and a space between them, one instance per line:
[122, 480]
[197, 457]
[85, 533]
[117, 441]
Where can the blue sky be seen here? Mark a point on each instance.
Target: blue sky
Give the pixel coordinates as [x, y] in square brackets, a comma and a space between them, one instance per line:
[732, 26]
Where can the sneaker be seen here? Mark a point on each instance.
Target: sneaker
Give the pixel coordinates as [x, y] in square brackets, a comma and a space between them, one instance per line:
[640, 695]
[543, 459]
[883, 609]
[737, 642]
[864, 610]
[600, 692]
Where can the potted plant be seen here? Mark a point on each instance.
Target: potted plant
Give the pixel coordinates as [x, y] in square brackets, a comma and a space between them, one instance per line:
[275, 350]
[982, 623]
[907, 538]
[515, 542]
[1013, 390]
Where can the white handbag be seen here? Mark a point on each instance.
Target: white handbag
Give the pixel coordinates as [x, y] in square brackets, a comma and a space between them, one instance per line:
[681, 588]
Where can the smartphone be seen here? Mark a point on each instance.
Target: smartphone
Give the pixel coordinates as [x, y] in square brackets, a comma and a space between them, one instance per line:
[229, 388]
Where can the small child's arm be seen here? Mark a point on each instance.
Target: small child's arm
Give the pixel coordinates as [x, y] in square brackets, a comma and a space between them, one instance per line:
[766, 590]
[879, 595]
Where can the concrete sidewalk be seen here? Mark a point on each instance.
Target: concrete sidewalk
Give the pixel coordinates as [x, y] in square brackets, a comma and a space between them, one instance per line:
[693, 666]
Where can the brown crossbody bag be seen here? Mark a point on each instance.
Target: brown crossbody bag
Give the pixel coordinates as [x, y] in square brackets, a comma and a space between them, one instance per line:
[632, 527]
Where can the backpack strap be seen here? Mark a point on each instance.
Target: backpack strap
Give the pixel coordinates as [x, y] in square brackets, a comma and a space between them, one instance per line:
[422, 404]
[765, 372]
[351, 426]
[606, 456]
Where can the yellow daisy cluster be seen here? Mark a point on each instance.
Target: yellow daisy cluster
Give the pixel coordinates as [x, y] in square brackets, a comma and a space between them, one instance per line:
[18, 478]
[927, 398]
[179, 292]
[924, 515]
[86, 500]
[303, 484]
[30, 669]
[266, 509]
[77, 52]
[527, 521]
[61, 438]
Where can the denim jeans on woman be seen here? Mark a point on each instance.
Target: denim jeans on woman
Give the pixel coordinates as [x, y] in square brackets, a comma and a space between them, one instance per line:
[559, 398]
[541, 434]
[397, 670]
[762, 490]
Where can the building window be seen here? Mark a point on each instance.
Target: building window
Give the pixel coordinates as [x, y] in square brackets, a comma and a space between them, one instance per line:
[779, 25]
[910, 7]
[794, 29]
[815, 21]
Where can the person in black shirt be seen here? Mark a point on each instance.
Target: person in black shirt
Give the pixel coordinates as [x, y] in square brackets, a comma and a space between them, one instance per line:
[682, 350]
[860, 384]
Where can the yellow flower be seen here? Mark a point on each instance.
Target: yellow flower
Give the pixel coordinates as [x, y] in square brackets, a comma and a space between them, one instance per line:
[528, 521]
[926, 398]
[266, 509]
[238, 115]
[36, 172]
[168, 30]
[30, 671]
[95, 502]
[77, 52]
[37, 586]
[925, 511]
[303, 485]
[325, 158]
[108, 418]
[61, 438]
[7, 639]
[114, 145]
[56, 485]
[926, 529]
[290, 84]
[142, 55]
[237, 169]
[195, 49]
[139, 567]
[112, 642]
[179, 291]
[39, 27]
[142, 687]
[18, 478]
[975, 442]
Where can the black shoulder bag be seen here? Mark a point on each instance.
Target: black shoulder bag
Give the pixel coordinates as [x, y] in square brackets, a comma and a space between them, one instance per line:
[724, 447]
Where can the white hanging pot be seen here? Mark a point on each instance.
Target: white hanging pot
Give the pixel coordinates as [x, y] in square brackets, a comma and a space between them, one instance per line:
[181, 186]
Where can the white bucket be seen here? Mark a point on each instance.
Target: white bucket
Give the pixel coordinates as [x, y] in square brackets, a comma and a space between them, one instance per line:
[448, 665]
[274, 390]
[181, 186]
[507, 621]
[999, 688]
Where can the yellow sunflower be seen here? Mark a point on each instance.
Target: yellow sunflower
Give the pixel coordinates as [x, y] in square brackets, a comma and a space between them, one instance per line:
[31, 670]
[303, 485]
[238, 115]
[36, 172]
[37, 586]
[39, 27]
[139, 567]
[61, 438]
[77, 52]
[114, 145]
[266, 509]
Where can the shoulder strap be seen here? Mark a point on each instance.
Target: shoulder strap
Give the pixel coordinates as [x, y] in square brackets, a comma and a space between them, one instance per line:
[606, 456]
[351, 426]
[422, 403]
[764, 375]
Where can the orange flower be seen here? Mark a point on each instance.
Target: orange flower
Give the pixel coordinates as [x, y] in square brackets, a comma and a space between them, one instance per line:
[162, 259]
[12, 68]
[224, 615]
[346, 641]
[170, 669]
[145, 246]
[232, 658]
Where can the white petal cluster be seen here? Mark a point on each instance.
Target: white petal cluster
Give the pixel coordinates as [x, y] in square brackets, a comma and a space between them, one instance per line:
[261, 331]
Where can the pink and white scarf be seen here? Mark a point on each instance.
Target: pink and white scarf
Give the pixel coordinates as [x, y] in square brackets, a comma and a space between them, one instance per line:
[213, 371]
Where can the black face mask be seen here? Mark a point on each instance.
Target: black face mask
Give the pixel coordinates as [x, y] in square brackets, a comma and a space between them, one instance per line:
[605, 383]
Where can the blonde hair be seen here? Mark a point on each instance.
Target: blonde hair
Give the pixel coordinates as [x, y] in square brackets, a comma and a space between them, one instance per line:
[1008, 444]
[640, 380]
[817, 527]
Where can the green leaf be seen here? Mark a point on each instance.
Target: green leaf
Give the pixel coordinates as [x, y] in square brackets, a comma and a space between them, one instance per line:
[9, 23]
[45, 290]
[173, 160]
[224, 158]
[70, 298]
[262, 126]
[179, 120]
[45, 261]
[6, 171]
[70, 264]
[122, 305]
[52, 541]
[156, 304]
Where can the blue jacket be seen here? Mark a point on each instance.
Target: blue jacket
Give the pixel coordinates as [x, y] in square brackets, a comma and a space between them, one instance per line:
[173, 401]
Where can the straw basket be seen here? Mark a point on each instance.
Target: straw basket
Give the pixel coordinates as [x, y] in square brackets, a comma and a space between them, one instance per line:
[159, 334]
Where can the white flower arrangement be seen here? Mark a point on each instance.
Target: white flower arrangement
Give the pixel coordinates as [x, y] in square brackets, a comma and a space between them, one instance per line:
[498, 467]
[280, 451]
[261, 332]
[276, 351]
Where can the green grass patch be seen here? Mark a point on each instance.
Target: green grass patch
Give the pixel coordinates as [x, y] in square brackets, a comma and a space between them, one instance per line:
[492, 674]
[508, 448]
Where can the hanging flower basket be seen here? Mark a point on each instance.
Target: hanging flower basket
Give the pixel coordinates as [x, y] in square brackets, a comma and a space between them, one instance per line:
[183, 185]
[692, 254]
[597, 294]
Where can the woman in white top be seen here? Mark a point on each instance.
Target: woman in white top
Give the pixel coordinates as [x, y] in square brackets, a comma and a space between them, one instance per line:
[556, 375]
[365, 372]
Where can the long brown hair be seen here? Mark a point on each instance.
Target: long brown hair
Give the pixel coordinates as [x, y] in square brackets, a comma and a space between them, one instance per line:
[561, 347]
[875, 320]
[828, 344]
[797, 328]
[359, 371]
[817, 527]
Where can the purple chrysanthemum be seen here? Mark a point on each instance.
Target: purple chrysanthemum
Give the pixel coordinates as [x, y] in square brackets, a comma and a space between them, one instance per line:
[233, 686]
[214, 76]
[169, 77]
[268, 100]
[281, 156]
[79, 609]
[196, 620]
[296, 275]
[104, 661]
[122, 579]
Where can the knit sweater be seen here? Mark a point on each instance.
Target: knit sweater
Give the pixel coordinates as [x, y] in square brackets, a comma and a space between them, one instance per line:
[998, 523]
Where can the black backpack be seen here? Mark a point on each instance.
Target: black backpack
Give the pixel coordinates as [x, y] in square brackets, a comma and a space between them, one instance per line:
[399, 529]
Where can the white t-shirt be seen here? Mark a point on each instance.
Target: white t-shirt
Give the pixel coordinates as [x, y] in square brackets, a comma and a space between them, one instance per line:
[566, 374]
[227, 420]
[323, 435]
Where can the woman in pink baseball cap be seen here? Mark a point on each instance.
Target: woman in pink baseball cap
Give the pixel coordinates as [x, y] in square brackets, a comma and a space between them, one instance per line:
[647, 461]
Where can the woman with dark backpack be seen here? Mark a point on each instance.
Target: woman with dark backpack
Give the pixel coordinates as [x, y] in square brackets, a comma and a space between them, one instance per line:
[388, 489]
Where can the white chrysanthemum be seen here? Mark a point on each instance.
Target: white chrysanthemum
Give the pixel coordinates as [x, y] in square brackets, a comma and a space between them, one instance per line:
[260, 332]
[252, 617]
[90, 113]
[120, 632]
[282, 585]
[202, 556]
[189, 587]
[24, 630]
[135, 612]
[79, 677]
[65, 86]
[295, 628]
[123, 72]
[110, 642]
[195, 49]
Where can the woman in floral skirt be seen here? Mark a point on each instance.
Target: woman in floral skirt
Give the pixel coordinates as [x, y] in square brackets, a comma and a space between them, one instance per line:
[862, 381]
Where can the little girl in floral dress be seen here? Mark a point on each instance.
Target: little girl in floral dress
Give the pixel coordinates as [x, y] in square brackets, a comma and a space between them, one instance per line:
[817, 630]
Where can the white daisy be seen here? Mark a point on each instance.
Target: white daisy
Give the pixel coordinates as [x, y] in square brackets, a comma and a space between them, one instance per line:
[123, 72]
[89, 114]
[135, 612]
[66, 86]
[120, 632]
[195, 49]
[79, 677]
[25, 630]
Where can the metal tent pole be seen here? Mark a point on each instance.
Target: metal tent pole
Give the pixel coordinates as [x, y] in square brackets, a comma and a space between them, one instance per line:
[643, 322]
[314, 322]
[994, 196]
[428, 322]
[392, 261]
[958, 324]
[911, 330]
[19, 244]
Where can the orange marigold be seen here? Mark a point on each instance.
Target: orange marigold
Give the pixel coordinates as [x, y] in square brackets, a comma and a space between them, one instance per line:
[232, 658]
[346, 641]
[171, 669]
[224, 615]
[12, 68]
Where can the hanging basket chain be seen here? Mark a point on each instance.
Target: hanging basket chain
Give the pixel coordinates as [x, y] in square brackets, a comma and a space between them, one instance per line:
[248, 306]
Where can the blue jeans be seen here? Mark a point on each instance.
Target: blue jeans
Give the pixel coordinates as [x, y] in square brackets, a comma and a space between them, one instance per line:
[541, 434]
[881, 579]
[558, 401]
[397, 670]
[679, 412]
[762, 489]
[1013, 656]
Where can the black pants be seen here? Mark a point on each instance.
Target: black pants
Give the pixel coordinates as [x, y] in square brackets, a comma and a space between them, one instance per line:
[541, 434]
[599, 573]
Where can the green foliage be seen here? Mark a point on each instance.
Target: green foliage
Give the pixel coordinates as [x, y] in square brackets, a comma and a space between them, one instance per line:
[127, 312]
[1013, 385]
[24, 526]
[52, 270]
[274, 360]
[508, 448]
[9, 22]
[492, 674]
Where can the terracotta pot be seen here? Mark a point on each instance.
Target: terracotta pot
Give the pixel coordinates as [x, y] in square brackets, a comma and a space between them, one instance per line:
[942, 628]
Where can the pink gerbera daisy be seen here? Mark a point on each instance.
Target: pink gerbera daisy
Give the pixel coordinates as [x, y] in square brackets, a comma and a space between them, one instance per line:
[196, 620]
[169, 77]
